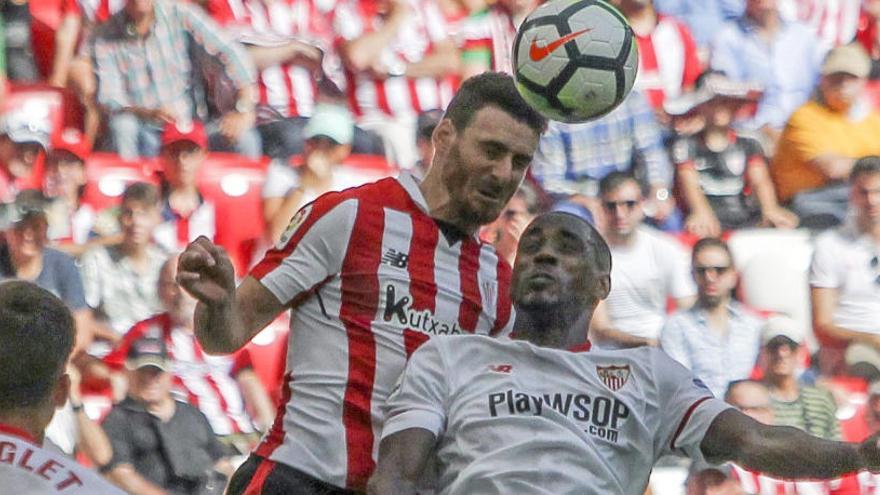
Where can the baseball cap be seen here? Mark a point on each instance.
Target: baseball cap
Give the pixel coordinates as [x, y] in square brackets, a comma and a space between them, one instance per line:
[781, 326]
[848, 59]
[74, 142]
[862, 354]
[711, 85]
[331, 121]
[184, 130]
[28, 204]
[21, 129]
[148, 351]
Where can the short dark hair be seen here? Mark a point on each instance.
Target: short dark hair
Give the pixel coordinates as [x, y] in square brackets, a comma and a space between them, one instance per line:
[36, 338]
[491, 89]
[612, 181]
[601, 260]
[711, 242]
[868, 165]
[142, 192]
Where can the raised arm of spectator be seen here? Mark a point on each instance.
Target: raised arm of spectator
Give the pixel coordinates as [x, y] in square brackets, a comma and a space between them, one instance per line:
[360, 49]
[66, 37]
[772, 214]
[91, 439]
[782, 451]
[205, 33]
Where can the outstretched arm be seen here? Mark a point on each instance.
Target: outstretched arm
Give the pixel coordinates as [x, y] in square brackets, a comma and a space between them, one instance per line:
[402, 459]
[782, 451]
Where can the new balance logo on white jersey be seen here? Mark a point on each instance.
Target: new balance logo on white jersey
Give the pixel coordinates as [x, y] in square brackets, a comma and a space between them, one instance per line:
[396, 259]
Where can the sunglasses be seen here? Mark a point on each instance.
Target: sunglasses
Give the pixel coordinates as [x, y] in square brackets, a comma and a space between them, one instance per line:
[703, 270]
[612, 205]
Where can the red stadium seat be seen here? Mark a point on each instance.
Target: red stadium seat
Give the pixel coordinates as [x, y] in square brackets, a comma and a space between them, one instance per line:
[234, 183]
[107, 176]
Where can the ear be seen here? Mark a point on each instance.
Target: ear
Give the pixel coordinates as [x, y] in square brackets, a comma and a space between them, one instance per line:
[443, 136]
[603, 287]
[62, 390]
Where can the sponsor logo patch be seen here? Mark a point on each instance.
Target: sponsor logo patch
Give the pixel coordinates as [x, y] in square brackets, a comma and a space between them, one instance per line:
[614, 377]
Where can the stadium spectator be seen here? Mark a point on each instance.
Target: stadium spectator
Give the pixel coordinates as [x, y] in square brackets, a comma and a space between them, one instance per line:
[718, 339]
[398, 59]
[36, 339]
[872, 410]
[704, 17]
[18, 44]
[783, 57]
[668, 59]
[712, 482]
[845, 274]
[186, 214]
[161, 445]
[487, 34]
[722, 175]
[809, 408]
[22, 139]
[504, 233]
[649, 268]
[70, 219]
[573, 158]
[824, 138]
[143, 86]
[25, 256]
[532, 422]
[425, 125]
[328, 263]
[71, 65]
[223, 388]
[753, 399]
[120, 279]
[328, 136]
[834, 22]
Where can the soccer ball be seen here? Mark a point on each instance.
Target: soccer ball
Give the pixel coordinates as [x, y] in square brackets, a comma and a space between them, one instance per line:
[575, 60]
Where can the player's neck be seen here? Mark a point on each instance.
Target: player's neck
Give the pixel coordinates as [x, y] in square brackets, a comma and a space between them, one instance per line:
[440, 204]
[557, 328]
[31, 422]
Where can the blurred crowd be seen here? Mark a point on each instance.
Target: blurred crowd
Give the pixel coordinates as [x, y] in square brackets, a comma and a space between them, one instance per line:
[738, 187]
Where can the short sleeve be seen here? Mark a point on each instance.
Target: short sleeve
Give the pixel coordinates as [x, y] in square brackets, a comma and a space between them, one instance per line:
[419, 400]
[280, 180]
[687, 408]
[117, 428]
[311, 249]
[824, 272]
[70, 283]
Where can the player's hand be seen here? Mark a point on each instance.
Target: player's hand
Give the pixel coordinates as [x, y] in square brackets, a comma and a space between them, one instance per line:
[703, 224]
[206, 272]
[870, 452]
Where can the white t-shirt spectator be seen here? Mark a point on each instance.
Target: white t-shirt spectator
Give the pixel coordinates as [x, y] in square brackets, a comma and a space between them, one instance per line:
[643, 276]
[844, 260]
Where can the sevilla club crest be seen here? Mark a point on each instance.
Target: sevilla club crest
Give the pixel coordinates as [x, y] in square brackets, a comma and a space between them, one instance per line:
[614, 377]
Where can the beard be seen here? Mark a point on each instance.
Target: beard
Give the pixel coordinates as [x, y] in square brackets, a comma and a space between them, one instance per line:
[461, 184]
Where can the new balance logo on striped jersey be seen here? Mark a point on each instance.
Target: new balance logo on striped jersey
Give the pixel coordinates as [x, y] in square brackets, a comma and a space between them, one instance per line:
[396, 259]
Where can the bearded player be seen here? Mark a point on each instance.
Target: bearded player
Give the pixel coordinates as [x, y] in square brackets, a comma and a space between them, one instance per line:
[545, 414]
[371, 273]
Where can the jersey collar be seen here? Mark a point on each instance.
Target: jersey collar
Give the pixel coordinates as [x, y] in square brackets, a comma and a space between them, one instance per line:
[14, 431]
[411, 185]
[584, 347]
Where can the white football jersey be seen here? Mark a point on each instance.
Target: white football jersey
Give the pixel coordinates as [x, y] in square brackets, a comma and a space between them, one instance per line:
[27, 468]
[512, 417]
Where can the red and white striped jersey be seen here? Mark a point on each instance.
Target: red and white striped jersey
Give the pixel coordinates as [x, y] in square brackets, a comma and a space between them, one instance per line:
[511, 417]
[492, 30]
[835, 22]
[370, 277]
[394, 96]
[176, 230]
[287, 88]
[205, 382]
[668, 61]
[761, 484]
[94, 11]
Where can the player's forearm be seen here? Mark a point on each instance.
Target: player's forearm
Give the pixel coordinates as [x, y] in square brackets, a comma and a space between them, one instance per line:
[790, 453]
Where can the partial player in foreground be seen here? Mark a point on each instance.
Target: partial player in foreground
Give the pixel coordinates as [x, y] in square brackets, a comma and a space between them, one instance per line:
[36, 338]
[371, 273]
[539, 414]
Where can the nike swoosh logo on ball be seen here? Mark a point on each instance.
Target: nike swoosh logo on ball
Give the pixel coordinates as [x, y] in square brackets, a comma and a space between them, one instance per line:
[538, 53]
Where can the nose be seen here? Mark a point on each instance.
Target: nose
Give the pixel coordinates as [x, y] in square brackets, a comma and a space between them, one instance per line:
[503, 169]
